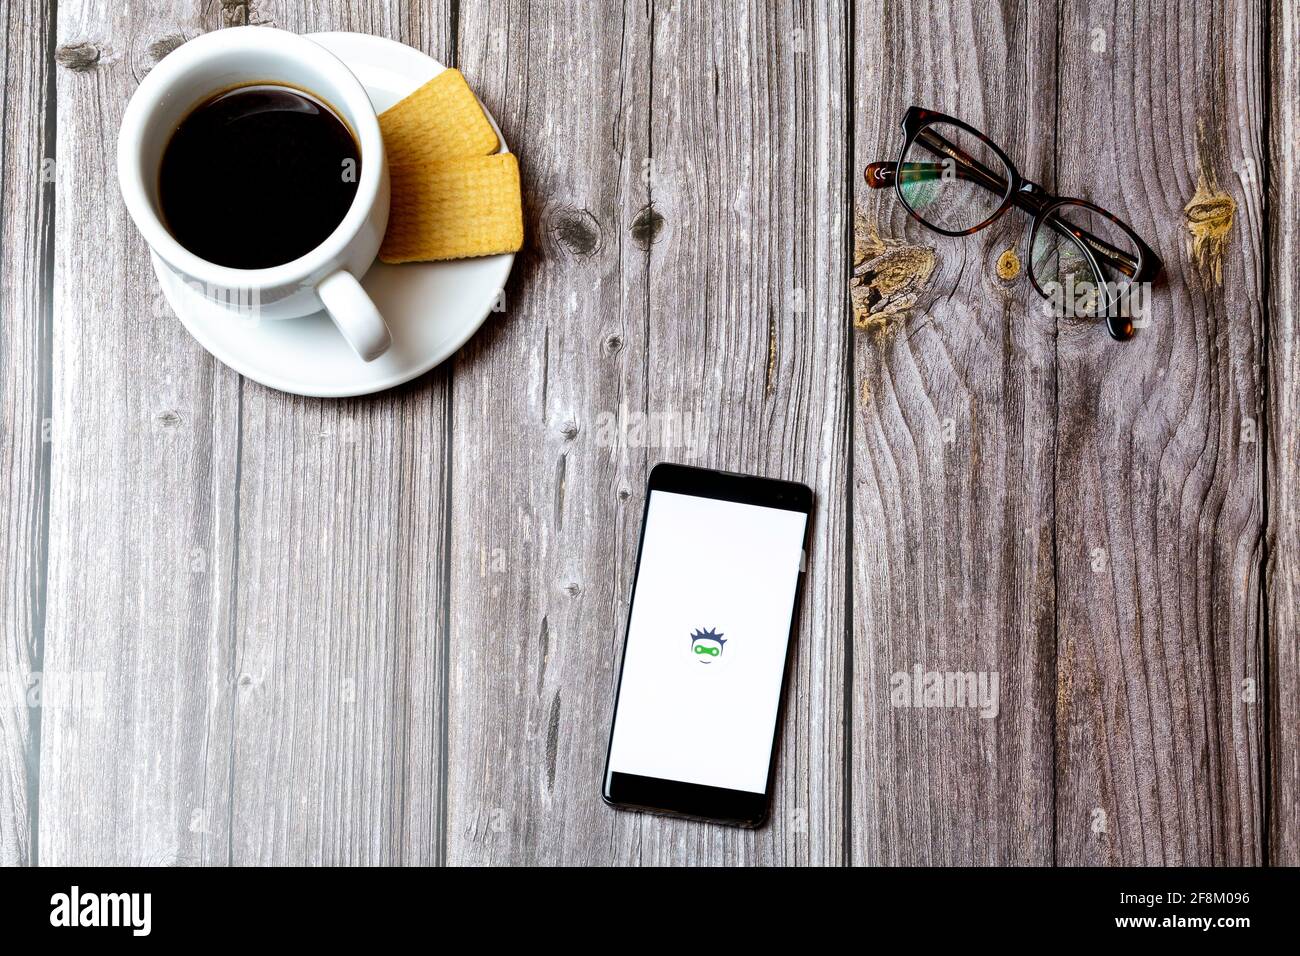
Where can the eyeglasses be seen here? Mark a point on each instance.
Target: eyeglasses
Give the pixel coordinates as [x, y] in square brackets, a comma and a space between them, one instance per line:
[953, 179]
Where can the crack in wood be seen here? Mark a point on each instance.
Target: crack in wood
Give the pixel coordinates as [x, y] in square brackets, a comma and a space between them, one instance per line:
[771, 354]
[544, 644]
[552, 740]
[560, 468]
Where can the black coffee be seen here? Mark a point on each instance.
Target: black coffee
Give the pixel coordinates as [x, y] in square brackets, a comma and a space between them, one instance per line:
[257, 176]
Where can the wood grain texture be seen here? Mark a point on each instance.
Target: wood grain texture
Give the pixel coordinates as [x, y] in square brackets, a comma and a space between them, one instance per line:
[1159, 725]
[547, 503]
[646, 290]
[1282, 439]
[953, 448]
[144, 445]
[746, 335]
[340, 592]
[26, 259]
[272, 629]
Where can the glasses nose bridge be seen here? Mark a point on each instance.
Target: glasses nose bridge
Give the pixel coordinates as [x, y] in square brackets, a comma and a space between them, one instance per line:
[1032, 198]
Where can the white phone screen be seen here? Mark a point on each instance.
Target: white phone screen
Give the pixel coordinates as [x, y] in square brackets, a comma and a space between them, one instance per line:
[707, 639]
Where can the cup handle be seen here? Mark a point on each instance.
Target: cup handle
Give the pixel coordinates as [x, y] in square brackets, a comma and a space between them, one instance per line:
[354, 314]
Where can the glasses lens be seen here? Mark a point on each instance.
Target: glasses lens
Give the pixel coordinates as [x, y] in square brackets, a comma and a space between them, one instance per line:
[952, 179]
[1085, 262]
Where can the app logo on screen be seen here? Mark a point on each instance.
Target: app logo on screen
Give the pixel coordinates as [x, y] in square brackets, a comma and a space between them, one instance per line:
[706, 645]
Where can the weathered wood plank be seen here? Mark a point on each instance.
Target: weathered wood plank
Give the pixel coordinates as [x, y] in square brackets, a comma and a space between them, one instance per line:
[747, 336]
[277, 668]
[1282, 440]
[141, 542]
[952, 490]
[681, 211]
[1158, 482]
[26, 259]
[545, 503]
[340, 589]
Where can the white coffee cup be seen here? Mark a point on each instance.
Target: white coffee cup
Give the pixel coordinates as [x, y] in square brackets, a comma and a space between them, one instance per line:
[326, 277]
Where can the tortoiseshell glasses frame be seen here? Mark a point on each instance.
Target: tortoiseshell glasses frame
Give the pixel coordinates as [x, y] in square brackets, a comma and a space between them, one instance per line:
[1139, 264]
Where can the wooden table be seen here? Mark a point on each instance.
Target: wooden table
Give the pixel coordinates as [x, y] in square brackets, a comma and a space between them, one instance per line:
[386, 630]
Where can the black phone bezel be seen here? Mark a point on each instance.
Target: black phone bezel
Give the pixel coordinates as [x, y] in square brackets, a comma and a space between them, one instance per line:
[626, 791]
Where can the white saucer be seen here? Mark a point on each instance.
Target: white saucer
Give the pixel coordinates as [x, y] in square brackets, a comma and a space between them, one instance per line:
[431, 308]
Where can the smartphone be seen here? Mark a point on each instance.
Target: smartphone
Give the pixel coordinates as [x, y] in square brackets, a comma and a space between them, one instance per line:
[707, 647]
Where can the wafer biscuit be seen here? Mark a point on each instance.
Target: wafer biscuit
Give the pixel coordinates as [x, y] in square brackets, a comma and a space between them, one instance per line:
[454, 209]
[439, 121]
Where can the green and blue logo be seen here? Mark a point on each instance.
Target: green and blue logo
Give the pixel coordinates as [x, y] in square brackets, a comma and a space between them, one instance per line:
[706, 645]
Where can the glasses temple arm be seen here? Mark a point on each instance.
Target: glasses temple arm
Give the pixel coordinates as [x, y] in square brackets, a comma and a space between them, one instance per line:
[978, 172]
[882, 175]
